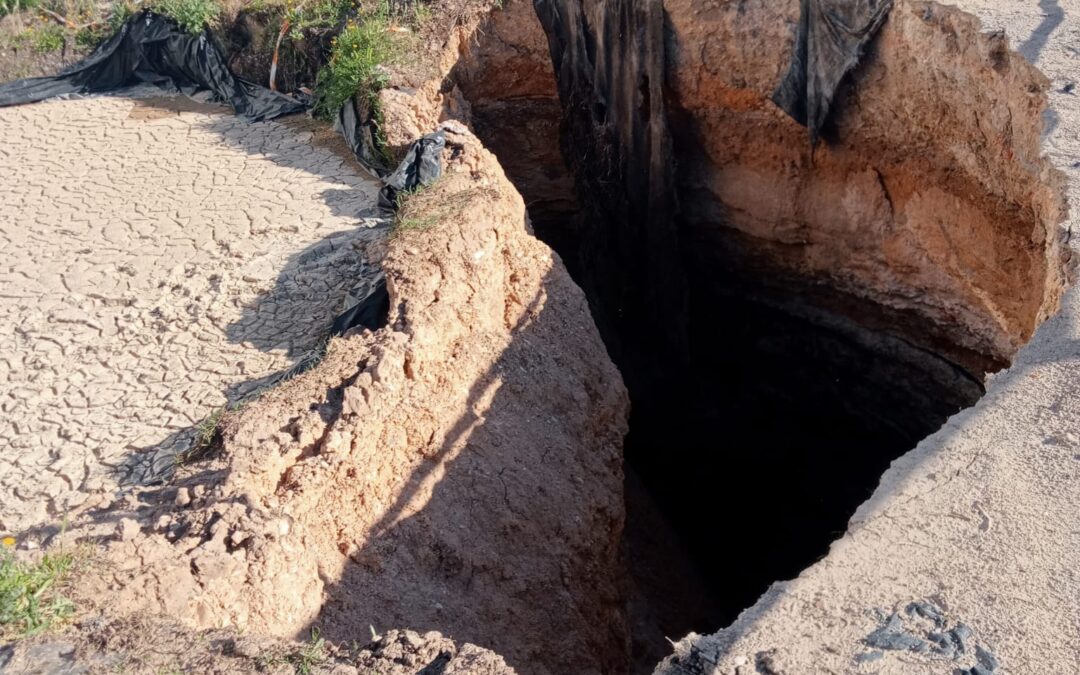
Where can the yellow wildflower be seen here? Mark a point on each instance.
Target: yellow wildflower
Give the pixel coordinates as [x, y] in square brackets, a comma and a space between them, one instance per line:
[9, 541]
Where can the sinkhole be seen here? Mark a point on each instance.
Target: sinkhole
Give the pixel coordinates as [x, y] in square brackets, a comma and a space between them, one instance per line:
[788, 319]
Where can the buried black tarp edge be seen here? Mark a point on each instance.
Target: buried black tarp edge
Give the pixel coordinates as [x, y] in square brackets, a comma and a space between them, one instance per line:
[152, 49]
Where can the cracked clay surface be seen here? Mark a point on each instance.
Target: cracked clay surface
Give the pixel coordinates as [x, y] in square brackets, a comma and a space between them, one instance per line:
[159, 259]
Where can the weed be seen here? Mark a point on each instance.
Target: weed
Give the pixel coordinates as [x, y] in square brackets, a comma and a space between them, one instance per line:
[92, 36]
[308, 656]
[409, 216]
[355, 67]
[48, 39]
[75, 11]
[206, 433]
[192, 15]
[423, 208]
[12, 6]
[29, 601]
[321, 14]
[421, 15]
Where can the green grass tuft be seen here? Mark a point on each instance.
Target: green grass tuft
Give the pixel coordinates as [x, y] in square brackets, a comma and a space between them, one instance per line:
[192, 15]
[91, 36]
[48, 39]
[310, 655]
[12, 6]
[29, 600]
[321, 14]
[358, 53]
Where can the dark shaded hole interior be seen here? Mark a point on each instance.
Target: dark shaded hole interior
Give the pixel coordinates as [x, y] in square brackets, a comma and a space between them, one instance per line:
[748, 463]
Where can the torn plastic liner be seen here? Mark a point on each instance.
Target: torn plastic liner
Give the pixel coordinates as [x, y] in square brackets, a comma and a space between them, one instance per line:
[422, 164]
[150, 48]
[421, 167]
[358, 129]
[829, 43]
[370, 310]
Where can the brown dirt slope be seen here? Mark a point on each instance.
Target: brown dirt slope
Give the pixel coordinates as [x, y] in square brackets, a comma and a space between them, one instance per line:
[459, 470]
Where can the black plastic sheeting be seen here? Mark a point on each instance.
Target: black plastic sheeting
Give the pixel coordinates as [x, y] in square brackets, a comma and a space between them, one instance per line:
[831, 38]
[371, 310]
[421, 167]
[354, 122]
[150, 48]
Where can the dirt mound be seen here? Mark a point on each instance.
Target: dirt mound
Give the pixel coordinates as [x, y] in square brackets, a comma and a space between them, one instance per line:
[155, 645]
[458, 470]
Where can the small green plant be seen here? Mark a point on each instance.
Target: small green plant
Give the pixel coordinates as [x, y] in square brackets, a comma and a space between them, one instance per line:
[29, 600]
[192, 15]
[91, 36]
[421, 15]
[48, 39]
[205, 434]
[409, 215]
[355, 67]
[426, 207]
[321, 14]
[12, 6]
[310, 655]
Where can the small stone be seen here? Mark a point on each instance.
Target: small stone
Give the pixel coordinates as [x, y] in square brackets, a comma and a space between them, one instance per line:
[238, 537]
[127, 529]
[283, 527]
[248, 647]
[198, 491]
[739, 660]
[213, 565]
[183, 497]
[1072, 439]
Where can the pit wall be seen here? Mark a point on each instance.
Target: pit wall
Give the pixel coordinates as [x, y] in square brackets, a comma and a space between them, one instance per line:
[927, 210]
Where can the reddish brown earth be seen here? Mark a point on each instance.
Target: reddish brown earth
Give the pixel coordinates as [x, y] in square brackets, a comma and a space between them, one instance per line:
[461, 469]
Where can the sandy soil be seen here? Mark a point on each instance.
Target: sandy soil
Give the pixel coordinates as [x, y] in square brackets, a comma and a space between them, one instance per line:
[158, 259]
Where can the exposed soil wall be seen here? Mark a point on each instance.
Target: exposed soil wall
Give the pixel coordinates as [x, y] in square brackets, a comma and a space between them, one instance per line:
[927, 206]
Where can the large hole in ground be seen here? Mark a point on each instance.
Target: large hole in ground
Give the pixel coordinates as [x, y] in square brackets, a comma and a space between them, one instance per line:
[820, 312]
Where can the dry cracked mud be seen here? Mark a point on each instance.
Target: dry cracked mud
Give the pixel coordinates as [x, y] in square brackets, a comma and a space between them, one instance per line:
[159, 259]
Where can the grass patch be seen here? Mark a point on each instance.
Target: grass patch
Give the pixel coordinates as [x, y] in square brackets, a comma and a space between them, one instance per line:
[303, 660]
[47, 39]
[321, 14]
[423, 208]
[310, 655]
[91, 36]
[12, 6]
[29, 600]
[192, 15]
[413, 214]
[355, 67]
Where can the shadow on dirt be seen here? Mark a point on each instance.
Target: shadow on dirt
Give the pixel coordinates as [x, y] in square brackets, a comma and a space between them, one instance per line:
[310, 289]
